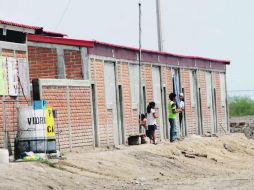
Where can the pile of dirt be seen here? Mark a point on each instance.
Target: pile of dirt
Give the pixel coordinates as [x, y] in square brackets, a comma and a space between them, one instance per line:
[224, 162]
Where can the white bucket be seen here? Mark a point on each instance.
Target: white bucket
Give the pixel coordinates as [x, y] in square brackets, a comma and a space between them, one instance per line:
[4, 156]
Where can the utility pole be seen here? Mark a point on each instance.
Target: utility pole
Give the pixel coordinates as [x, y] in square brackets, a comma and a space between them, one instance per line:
[159, 26]
[140, 66]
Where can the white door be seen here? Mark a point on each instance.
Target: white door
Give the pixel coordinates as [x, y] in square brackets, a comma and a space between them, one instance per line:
[157, 98]
[110, 95]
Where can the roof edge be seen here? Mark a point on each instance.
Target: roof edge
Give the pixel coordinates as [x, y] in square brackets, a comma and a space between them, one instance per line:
[62, 41]
[163, 53]
[21, 25]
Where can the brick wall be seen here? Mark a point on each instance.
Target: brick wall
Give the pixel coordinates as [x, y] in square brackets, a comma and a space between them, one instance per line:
[77, 130]
[190, 111]
[8, 121]
[128, 121]
[221, 110]
[206, 112]
[131, 115]
[149, 83]
[42, 62]
[92, 69]
[102, 112]
[73, 67]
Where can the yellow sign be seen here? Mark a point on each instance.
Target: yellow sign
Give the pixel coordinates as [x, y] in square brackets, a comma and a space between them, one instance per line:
[50, 122]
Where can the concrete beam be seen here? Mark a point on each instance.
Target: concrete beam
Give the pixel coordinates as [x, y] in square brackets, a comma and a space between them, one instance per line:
[55, 46]
[64, 82]
[16, 28]
[13, 46]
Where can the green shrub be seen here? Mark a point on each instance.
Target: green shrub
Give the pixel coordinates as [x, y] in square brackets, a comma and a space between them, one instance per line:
[241, 106]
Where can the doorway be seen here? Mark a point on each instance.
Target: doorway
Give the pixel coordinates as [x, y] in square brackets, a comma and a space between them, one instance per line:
[165, 112]
[157, 97]
[95, 123]
[196, 98]
[184, 123]
[111, 99]
[144, 99]
[215, 111]
[121, 113]
[210, 99]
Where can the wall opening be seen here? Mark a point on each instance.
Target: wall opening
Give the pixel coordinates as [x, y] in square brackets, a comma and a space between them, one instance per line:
[144, 99]
[215, 110]
[111, 101]
[210, 101]
[95, 123]
[183, 123]
[121, 113]
[12, 36]
[200, 115]
[165, 112]
[195, 101]
[157, 97]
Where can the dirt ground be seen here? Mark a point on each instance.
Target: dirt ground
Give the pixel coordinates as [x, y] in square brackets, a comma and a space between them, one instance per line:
[225, 162]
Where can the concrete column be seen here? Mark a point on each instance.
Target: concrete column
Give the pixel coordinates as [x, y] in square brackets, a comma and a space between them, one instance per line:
[85, 63]
[61, 74]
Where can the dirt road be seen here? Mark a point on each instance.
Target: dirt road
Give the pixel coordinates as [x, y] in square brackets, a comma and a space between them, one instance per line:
[225, 162]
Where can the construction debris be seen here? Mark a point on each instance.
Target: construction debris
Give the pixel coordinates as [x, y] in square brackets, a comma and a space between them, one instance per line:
[191, 154]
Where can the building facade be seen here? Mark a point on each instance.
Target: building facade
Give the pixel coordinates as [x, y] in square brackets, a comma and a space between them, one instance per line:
[95, 87]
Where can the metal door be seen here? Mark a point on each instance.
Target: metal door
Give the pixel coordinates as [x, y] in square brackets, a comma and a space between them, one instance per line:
[156, 78]
[110, 96]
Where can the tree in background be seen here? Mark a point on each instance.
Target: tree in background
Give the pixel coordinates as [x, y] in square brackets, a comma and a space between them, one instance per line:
[241, 106]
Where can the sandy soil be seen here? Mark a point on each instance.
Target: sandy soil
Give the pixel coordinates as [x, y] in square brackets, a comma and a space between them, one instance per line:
[225, 162]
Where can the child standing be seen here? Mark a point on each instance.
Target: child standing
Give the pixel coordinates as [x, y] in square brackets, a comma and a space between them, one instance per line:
[151, 121]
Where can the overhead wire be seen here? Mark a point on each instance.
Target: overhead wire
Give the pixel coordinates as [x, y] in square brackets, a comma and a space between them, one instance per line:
[63, 14]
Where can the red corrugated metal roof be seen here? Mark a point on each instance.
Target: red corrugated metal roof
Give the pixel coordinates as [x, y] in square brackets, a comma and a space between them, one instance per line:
[20, 25]
[63, 41]
[162, 53]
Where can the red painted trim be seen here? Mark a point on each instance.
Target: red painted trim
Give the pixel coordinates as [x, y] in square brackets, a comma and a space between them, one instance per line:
[20, 25]
[63, 41]
[162, 53]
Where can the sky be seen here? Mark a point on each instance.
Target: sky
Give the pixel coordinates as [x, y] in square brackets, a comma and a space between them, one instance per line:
[222, 29]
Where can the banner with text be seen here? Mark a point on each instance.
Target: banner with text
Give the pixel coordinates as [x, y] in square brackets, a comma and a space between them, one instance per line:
[3, 76]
